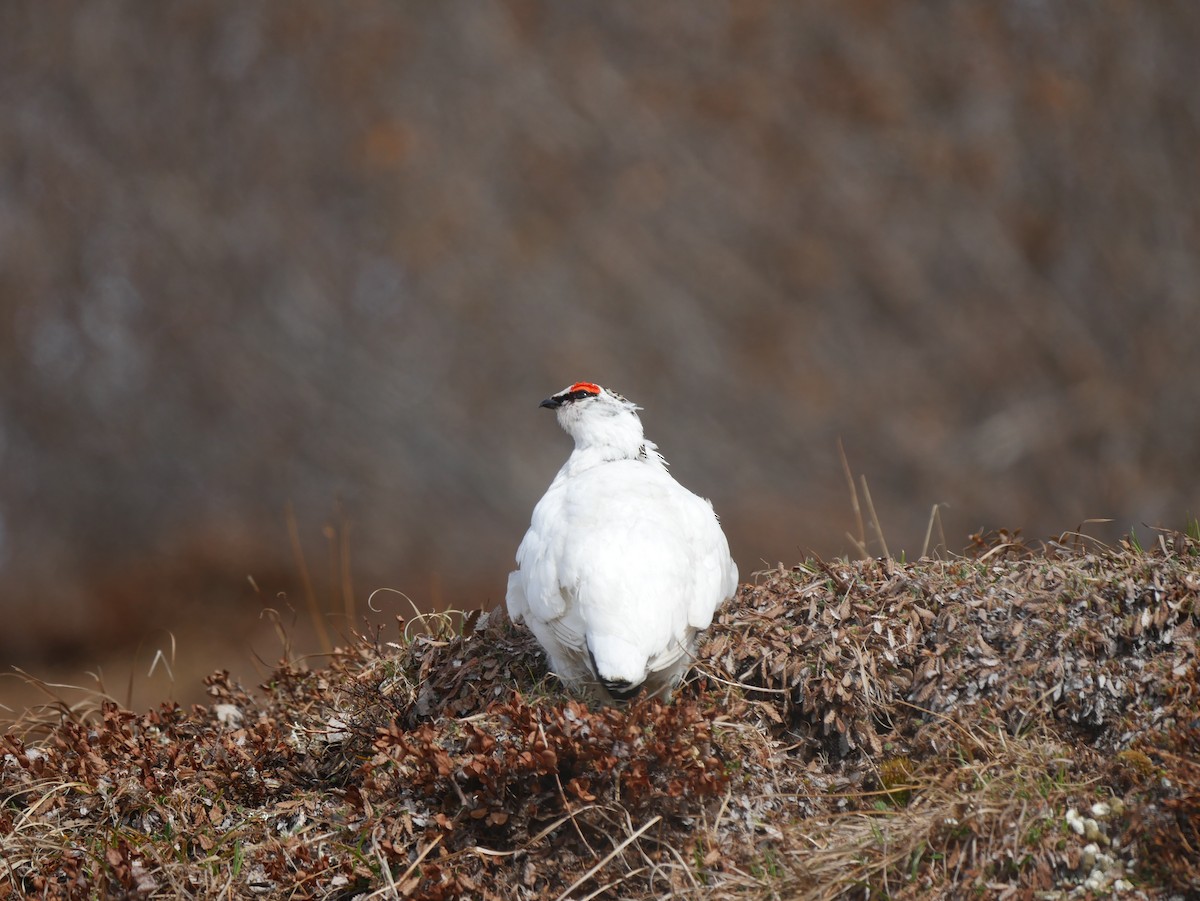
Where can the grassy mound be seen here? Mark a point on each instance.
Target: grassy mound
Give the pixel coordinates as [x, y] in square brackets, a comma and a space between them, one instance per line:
[1017, 722]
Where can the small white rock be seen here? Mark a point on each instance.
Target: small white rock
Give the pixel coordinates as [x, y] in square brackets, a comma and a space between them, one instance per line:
[1075, 821]
[1100, 810]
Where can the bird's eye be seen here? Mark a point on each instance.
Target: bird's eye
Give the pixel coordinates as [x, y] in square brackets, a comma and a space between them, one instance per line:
[582, 389]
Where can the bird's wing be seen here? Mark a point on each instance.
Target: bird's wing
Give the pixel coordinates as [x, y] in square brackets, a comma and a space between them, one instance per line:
[514, 598]
[715, 574]
[536, 596]
[535, 585]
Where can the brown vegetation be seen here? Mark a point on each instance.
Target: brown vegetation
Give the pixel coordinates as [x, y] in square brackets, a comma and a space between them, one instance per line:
[1016, 722]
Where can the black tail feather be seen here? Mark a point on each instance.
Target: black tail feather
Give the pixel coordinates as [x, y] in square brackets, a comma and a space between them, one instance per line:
[620, 689]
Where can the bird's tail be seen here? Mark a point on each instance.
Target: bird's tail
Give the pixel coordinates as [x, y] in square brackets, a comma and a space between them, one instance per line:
[620, 689]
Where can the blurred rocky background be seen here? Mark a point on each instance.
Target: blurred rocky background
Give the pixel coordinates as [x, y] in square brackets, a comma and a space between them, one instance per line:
[285, 282]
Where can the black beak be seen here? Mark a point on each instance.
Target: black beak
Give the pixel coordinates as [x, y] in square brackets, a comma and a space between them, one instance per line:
[552, 402]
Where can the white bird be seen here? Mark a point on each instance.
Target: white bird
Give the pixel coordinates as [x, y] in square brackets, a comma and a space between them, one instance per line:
[622, 566]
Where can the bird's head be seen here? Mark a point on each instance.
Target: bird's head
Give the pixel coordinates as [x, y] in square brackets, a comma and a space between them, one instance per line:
[595, 416]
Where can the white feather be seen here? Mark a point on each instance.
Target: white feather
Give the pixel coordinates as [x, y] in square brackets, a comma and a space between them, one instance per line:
[622, 565]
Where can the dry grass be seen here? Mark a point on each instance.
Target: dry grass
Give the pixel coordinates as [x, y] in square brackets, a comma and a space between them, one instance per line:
[1016, 722]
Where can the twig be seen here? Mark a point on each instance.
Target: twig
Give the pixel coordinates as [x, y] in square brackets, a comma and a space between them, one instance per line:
[563, 795]
[605, 888]
[378, 893]
[310, 593]
[861, 541]
[933, 515]
[488, 852]
[615, 851]
[746, 685]
[875, 518]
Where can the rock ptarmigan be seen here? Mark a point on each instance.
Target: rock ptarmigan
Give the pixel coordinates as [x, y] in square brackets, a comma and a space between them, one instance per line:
[622, 566]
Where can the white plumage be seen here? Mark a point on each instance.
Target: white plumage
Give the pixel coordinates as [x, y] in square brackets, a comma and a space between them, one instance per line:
[622, 565]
